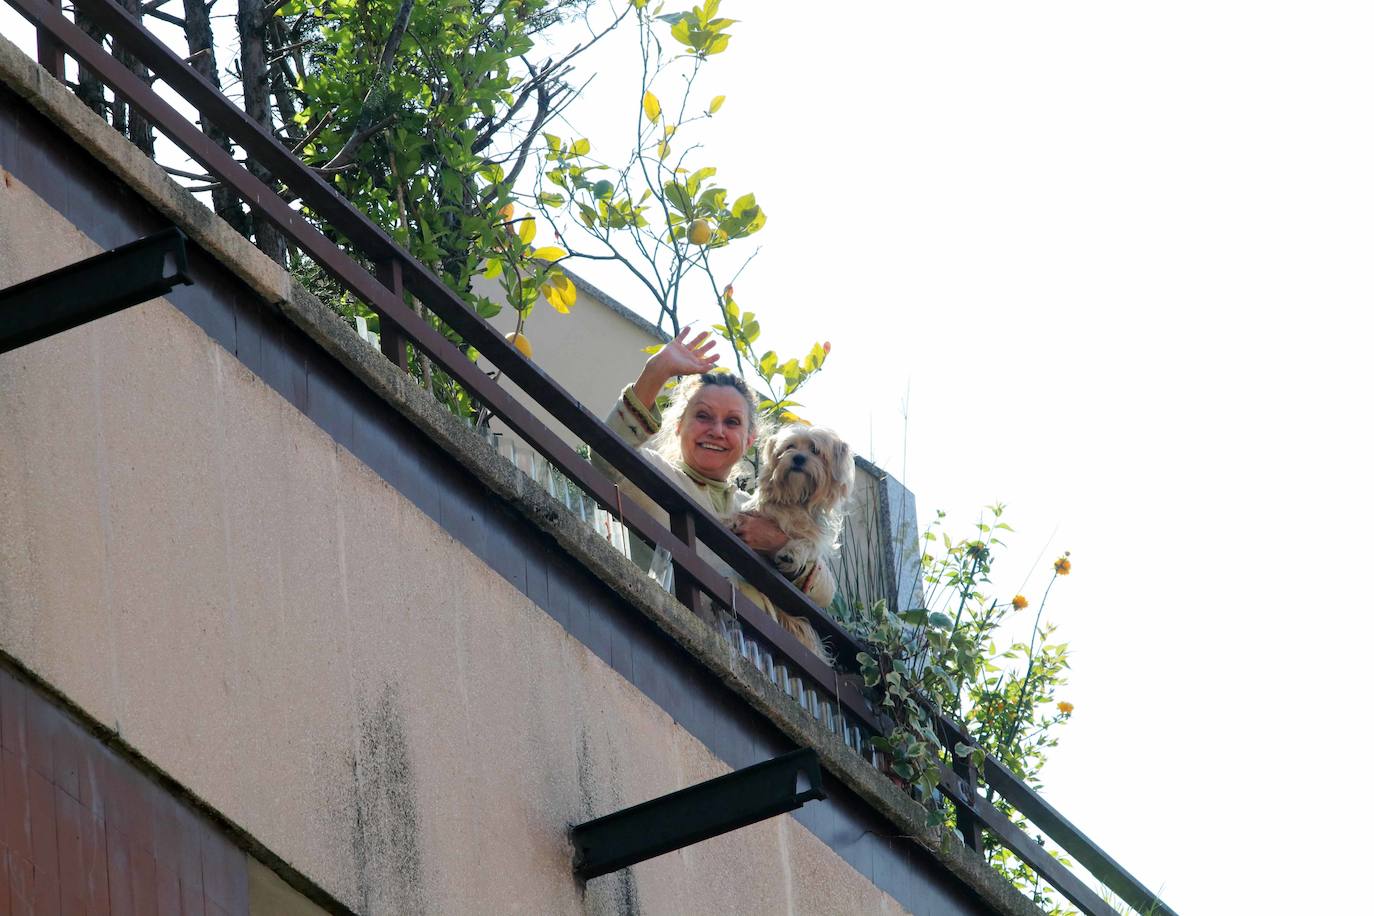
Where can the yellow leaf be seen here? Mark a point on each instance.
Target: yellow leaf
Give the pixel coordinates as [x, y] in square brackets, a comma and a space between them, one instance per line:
[716, 103]
[652, 349]
[565, 289]
[555, 298]
[527, 229]
[651, 107]
[492, 270]
[549, 253]
[663, 150]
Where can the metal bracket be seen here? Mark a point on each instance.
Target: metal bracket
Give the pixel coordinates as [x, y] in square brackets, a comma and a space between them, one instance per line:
[93, 288]
[696, 813]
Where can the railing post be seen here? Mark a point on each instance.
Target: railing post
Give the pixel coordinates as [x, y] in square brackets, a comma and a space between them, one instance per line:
[684, 527]
[49, 51]
[393, 342]
[964, 819]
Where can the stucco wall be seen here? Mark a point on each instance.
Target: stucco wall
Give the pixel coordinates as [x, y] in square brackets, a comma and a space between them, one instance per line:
[204, 571]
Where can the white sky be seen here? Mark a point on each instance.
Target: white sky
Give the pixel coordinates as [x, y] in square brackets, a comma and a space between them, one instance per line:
[1119, 256]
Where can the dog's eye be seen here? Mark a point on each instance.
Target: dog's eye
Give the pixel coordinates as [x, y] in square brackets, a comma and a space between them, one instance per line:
[814, 450]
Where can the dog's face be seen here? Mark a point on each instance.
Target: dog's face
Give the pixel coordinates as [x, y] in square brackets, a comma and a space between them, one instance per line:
[806, 466]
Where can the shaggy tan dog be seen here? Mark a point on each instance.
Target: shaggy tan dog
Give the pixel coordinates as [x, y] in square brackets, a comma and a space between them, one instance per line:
[805, 478]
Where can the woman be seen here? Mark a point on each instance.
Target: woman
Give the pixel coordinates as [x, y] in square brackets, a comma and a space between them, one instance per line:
[709, 425]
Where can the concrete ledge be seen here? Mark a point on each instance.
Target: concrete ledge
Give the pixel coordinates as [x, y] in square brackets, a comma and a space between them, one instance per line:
[275, 286]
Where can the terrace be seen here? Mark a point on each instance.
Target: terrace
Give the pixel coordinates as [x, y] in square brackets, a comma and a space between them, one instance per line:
[725, 648]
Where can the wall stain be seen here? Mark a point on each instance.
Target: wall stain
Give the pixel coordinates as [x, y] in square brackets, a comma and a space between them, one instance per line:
[386, 820]
[598, 786]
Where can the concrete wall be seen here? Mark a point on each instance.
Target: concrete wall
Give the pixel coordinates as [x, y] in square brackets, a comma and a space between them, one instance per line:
[209, 575]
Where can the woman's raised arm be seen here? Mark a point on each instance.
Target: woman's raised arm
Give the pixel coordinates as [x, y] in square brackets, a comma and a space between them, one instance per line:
[678, 357]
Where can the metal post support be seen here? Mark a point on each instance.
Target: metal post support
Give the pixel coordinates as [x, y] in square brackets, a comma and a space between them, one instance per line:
[697, 813]
[393, 342]
[91, 289]
[684, 586]
[964, 819]
[50, 55]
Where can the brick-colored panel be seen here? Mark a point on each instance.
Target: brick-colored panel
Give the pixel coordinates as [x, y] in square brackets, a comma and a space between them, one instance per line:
[42, 721]
[14, 812]
[224, 871]
[43, 834]
[82, 831]
[69, 866]
[95, 862]
[4, 879]
[143, 875]
[23, 885]
[168, 889]
[12, 730]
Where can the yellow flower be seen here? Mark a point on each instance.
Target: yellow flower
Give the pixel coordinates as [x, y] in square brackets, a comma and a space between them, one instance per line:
[1019, 602]
[1062, 565]
[1065, 707]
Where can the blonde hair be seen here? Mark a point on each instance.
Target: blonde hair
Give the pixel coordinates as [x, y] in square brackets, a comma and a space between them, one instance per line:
[667, 442]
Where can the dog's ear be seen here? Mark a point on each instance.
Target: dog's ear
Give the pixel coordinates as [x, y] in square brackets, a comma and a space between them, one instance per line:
[842, 466]
[768, 451]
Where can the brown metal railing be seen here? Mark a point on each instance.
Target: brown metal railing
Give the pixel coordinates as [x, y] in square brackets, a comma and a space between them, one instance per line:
[837, 700]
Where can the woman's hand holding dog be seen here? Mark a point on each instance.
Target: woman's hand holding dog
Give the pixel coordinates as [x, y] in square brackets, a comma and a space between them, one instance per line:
[678, 357]
[759, 533]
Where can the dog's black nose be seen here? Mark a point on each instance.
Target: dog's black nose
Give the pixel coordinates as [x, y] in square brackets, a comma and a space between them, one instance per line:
[798, 459]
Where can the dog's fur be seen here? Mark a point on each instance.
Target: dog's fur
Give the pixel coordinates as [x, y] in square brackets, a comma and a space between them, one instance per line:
[805, 478]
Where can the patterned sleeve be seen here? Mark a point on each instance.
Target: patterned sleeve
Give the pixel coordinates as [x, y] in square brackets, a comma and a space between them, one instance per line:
[632, 420]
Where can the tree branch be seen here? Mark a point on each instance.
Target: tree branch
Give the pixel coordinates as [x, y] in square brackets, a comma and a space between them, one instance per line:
[166, 17]
[372, 103]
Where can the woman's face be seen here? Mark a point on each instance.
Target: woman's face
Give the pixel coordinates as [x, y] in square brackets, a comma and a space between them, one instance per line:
[714, 431]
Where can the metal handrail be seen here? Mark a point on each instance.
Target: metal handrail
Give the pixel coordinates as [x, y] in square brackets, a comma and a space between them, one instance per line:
[398, 272]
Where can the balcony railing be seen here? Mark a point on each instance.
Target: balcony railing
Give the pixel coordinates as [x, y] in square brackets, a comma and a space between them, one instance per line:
[836, 700]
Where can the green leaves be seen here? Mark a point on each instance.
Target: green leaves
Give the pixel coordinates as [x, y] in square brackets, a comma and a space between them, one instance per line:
[700, 30]
[941, 620]
[679, 198]
[940, 659]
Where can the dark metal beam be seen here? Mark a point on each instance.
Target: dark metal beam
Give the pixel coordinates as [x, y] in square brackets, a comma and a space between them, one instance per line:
[697, 813]
[91, 289]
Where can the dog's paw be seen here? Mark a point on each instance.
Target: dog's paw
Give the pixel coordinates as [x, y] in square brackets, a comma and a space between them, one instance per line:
[793, 557]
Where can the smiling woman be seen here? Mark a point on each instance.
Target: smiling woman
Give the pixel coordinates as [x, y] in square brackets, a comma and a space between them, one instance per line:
[698, 442]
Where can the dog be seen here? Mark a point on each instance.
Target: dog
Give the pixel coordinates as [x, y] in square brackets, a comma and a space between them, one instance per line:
[806, 475]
